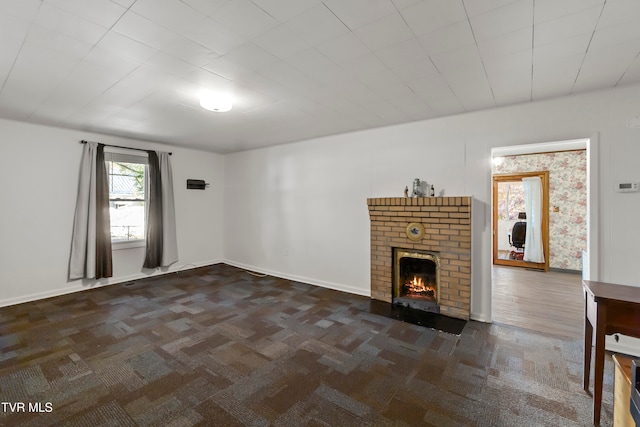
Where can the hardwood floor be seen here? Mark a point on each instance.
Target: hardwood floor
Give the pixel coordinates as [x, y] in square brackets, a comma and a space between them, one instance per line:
[549, 302]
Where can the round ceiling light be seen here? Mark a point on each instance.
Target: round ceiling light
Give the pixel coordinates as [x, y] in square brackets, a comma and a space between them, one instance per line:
[217, 102]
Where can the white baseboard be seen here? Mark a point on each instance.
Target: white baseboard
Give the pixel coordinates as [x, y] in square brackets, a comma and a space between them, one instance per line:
[315, 282]
[85, 285]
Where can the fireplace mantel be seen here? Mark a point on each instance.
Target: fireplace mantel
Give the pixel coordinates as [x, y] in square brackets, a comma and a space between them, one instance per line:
[447, 232]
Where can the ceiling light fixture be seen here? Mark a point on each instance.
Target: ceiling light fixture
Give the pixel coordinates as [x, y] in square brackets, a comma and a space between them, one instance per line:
[214, 101]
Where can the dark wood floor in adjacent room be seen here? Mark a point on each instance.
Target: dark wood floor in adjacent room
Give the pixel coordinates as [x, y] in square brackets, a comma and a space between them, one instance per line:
[218, 346]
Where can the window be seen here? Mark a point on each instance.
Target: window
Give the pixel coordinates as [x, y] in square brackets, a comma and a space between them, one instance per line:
[127, 176]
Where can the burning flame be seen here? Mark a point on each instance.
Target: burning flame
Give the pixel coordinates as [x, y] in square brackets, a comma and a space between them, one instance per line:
[417, 286]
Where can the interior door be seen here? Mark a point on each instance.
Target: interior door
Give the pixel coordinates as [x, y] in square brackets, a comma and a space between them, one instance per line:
[508, 206]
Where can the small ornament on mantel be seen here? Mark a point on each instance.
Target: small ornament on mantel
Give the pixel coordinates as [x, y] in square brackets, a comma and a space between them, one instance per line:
[406, 191]
[433, 191]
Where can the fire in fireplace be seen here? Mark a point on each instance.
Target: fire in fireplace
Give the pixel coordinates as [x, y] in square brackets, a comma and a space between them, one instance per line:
[416, 279]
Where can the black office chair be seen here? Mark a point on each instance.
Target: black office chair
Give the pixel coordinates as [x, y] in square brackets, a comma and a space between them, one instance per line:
[518, 236]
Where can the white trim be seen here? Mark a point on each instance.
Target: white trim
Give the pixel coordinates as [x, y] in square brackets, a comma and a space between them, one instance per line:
[301, 279]
[86, 285]
[543, 147]
[127, 244]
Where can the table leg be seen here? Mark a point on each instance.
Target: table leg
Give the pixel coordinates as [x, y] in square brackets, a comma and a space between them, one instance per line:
[598, 371]
[588, 339]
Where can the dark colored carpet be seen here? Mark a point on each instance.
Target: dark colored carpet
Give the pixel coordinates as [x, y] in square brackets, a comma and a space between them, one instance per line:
[216, 346]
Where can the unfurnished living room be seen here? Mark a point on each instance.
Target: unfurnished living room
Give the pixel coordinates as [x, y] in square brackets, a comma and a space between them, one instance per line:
[319, 212]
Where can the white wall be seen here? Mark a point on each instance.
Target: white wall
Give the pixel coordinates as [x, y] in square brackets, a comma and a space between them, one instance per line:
[299, 210]
[39, 181]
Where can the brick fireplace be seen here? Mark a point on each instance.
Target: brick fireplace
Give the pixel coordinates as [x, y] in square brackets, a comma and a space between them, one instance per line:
[442, 228]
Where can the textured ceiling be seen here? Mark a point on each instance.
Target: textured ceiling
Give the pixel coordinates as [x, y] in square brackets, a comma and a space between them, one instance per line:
[299, 69]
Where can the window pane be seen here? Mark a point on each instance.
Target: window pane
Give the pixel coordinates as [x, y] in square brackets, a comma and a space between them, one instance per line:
[127, 200]
[127, 220]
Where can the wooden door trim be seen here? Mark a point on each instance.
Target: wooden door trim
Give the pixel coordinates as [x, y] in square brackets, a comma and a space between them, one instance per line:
[544, 177]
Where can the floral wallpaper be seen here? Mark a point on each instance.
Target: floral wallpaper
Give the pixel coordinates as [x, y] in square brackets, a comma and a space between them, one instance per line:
[567, 192]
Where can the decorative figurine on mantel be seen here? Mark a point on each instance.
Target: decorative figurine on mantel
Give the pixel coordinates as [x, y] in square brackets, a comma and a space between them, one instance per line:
[406, 191]
[416, 188]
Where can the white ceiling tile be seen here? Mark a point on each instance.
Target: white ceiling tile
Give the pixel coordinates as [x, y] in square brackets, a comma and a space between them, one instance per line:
[144, 31]
[281, 42]
[471, 87]
[507, 44]
[343, 48]
[208, 79]
[24, 9]
[189, 51]
[70, 25]
[102, 12]
[403, 4]
[110, 61]
[124, 3]
[606, 65]
[213, 35]
[570, 47]
[380, 80]
[44, 38]
[317, 25]
[547, 10]
[458, 58]
[437, 94]
[170, 65]
[405, 52]
[556, 76]
[447, 38]
[284, 10]
[207, 7]
[364, 64]
[387, 112]
[310, 62]
[384, 32]
[510, 77]
[395, 91]
[504, 20]
[35, 74]
[416, 71]
[427, 16]
[245, 18]
[171, 14]
[632, 75]
[619, 12]
[478, 7]
[250, 56]
[125, 47]
[356, 13]
[582, 22]
[412, 106]
[616, 35]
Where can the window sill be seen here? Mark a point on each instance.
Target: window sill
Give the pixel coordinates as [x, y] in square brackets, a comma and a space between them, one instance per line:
[130, 244]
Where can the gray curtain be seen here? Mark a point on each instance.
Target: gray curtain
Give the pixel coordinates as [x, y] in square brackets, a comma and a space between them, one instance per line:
[91, 240]
[161, 241]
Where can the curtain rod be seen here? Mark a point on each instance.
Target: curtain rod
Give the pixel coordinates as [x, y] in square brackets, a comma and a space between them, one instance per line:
[84, 141]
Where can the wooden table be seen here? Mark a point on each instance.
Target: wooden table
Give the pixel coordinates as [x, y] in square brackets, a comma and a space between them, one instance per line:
[609, 309]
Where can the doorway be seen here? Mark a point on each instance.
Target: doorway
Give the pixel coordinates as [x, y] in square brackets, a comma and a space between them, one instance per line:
[510, 224]
[508, 284]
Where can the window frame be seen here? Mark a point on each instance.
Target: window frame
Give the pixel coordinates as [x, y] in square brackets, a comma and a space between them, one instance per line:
[112, 154]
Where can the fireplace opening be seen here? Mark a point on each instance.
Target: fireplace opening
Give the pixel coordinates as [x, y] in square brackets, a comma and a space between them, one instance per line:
[416, 279]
